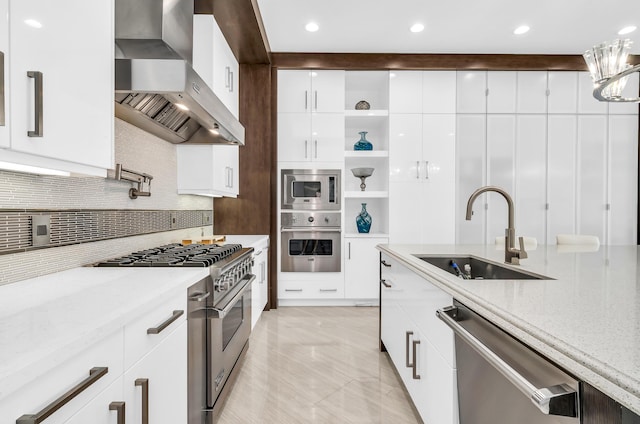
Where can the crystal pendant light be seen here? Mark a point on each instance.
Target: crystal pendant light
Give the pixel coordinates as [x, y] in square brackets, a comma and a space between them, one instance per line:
[610, 71]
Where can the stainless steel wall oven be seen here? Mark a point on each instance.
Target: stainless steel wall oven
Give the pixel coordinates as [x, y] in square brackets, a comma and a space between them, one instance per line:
[310, 242]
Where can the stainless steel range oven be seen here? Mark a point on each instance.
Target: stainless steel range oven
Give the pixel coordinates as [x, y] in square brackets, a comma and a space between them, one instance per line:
[218, 320]
[310, 242]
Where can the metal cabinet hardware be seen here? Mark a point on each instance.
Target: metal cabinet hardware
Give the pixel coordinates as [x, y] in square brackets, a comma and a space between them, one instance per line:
[426, 169]
[227, 77]
[316, 147]
[158, 329]
[94, 375]
[230, 81]
[306, 96]
[305, 149]
[144, 383]
[328, 290]
[258, 253]
[555, 400]
[120, 410]
[349, 250]
[384, 283]
[316, 99]
[406, 348]
[2, 89]
[39, 106]
[293, 290]
[417, 170]
[384, 263]
[416, 376]
[199, 297]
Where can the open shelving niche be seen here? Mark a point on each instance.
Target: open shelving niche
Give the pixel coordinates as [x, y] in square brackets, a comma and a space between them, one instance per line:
[372, 86]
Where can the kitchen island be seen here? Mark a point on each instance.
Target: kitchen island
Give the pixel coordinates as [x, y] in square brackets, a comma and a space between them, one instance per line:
[585, 319]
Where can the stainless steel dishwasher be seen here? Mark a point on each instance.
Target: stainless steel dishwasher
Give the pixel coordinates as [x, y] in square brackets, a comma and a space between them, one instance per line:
[500, 380]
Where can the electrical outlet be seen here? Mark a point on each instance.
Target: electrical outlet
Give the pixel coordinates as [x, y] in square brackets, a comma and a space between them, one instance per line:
[173, 220]
[40, 230]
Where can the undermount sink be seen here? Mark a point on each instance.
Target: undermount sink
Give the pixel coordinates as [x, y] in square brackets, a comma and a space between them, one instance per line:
[480, 269]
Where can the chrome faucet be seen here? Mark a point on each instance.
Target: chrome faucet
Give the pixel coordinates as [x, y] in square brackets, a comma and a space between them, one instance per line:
[511, 254]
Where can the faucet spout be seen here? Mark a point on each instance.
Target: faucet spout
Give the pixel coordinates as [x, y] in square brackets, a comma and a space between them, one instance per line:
[511, 254]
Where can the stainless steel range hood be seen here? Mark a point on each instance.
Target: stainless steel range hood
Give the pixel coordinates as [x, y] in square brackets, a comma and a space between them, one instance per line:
[156, 86]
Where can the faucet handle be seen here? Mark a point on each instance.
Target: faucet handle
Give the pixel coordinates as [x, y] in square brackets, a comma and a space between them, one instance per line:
[523, 253]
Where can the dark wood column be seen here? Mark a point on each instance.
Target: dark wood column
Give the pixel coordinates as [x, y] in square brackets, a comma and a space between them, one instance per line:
[251, 212]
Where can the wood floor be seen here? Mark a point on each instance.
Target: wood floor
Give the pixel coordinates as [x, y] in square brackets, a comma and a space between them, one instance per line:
[317, 365]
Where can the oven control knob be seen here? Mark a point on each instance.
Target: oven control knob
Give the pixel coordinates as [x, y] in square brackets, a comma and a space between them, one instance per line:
[311, 219]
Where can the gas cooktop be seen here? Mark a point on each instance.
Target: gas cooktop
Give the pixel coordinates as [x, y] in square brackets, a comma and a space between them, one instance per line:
[175, 255]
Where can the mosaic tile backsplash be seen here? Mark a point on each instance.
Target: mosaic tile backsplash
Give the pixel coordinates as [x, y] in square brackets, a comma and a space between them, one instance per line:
[92, 218]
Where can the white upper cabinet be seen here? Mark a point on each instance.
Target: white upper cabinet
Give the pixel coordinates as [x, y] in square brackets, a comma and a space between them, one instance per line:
[532, 92]
[208, 170]
[311, 91]
[405, 147]
[5, 119]
[61, 77]
[438, 92]
[586, 102]
[404, 89]
[214, 61]
[471, 94]
[563, 92]
[502, 92]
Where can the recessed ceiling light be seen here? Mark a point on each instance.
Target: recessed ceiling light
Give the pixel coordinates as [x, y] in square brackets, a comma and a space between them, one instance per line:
[418, 27]
[521, 30]
[312, 27]
[33, 23]
[627, 30]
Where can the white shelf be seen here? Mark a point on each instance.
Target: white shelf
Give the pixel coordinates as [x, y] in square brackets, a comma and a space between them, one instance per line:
[365, 113]
[365, 235]
[366, 154]
[365, 194]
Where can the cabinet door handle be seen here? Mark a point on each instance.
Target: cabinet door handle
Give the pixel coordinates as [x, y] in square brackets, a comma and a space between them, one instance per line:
[315, 101]
[227, 77]
[119, 408]
[37, 76]
[306, 102]
[230, 177]
[406, 348]
[316, 147]
[426, 169]
[158, 329]
[349, 250]
[144, 383]
[328, 290]
[2, 97]
[305, 148]
[384, 263]
[416, 376]
[417, 170]
[231, 82]
[384, 283]
[293, 290]
[94, 375]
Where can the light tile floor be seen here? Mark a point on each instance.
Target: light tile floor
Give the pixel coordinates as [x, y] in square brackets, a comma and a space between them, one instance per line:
[317, 365]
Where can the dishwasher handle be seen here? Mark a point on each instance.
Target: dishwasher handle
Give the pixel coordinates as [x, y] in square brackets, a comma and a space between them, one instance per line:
[554, 400]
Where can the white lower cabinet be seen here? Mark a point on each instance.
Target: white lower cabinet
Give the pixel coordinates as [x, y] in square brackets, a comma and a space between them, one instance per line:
[361, 277]
[104, 408]
[260, 286]
[332, 288]
[156, 385]
[420, 346]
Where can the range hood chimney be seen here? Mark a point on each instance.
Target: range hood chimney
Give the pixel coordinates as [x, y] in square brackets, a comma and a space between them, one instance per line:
[156, 86]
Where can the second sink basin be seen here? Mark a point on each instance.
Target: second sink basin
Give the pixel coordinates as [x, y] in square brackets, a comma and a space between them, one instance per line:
[480, 269]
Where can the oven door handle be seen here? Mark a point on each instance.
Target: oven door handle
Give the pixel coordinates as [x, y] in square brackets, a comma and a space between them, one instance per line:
[221, 313]
[310, 230]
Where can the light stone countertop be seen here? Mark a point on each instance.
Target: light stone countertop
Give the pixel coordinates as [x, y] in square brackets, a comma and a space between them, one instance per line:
[255, 241]
[48, 319]
[587, 319]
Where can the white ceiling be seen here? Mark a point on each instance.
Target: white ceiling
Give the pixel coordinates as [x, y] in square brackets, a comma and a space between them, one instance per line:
[451, 26]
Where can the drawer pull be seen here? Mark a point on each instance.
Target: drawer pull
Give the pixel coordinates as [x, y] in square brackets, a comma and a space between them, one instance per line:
[293, 290]
[158, 329]
[119, 408]
[384, 283]
[94, 375]
[144, 383]
[416, 376]
[384, 263]
[408, 335]
[328, 290]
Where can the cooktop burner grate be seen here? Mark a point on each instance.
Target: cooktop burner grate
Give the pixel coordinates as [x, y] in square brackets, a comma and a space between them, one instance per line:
[192, 255]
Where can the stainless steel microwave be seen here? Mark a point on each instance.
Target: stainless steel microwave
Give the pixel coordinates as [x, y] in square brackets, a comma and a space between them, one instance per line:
[311, 189]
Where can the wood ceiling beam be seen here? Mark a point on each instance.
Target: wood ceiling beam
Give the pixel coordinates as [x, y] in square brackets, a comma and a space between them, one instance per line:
[242, 26]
